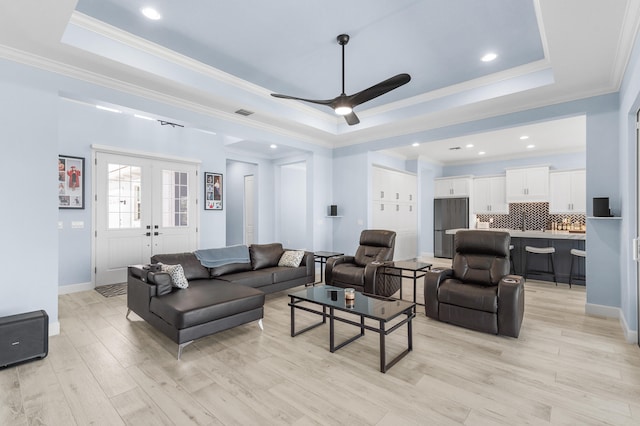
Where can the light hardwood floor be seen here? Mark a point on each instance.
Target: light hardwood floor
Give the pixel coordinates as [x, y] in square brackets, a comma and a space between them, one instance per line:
[566, 368]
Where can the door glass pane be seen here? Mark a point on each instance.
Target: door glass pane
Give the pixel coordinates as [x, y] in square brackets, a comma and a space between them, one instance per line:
[175, 199]
[124, 196]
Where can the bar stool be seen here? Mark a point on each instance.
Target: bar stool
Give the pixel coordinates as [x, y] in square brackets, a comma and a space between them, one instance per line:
[576, 253]
[549, 251]
[513, 267]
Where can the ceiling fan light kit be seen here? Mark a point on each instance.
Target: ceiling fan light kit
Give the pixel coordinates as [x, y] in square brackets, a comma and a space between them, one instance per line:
[344, 104]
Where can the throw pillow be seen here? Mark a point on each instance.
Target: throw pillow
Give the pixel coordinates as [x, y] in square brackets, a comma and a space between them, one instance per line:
[265, 255]
[291, 258]
[177, 275]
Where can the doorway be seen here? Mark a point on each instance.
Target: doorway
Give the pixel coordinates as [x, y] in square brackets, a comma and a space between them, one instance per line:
[242, 183]
[144, 206]
[249, 224]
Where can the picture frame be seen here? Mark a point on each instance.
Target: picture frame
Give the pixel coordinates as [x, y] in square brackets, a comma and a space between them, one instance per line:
[70, 182]
[213, 196]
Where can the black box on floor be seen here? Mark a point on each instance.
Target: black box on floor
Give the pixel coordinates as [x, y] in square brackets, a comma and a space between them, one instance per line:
[23, 337]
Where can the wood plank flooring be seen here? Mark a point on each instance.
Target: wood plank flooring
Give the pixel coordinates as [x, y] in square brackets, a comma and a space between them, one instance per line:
[566, 368]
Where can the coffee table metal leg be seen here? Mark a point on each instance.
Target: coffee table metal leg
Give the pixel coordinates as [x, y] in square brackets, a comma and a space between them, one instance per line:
[294, 306]
[383, 354]
[293, 318]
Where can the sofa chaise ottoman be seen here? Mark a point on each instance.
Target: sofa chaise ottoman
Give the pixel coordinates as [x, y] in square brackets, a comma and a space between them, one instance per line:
[216, 298]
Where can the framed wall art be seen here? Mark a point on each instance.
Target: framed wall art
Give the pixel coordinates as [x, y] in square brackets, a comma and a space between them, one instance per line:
[212, 191]
[70, 182]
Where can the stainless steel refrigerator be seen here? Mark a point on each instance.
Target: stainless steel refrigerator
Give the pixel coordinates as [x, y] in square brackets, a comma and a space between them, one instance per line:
[448, 213]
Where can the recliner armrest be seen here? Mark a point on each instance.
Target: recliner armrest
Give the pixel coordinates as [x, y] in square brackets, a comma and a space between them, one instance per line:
[510, 305]
[370, 271]
[333, 261]
[432, 280]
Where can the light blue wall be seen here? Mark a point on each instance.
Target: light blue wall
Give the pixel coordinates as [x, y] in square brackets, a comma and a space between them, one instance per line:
[603, 177]
[629, 105]
[29, 249]
[350, 186]
[320, 180]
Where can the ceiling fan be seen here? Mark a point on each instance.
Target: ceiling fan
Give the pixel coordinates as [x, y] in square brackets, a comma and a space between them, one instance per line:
[344, 104]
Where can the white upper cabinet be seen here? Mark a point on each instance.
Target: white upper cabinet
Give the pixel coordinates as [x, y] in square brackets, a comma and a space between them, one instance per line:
[453, 187]
[568, 192]
[528, 185]
[489, 195]
[391, 186]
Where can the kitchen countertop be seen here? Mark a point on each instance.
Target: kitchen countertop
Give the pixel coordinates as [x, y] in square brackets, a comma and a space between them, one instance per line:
[516, 233]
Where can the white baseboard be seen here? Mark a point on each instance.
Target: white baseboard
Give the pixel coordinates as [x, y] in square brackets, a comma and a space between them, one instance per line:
[74, 288]
[631, 336]
[427, 254]
[54, 328]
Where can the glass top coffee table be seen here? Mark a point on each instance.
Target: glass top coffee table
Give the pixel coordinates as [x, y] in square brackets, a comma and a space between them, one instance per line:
[326, 301]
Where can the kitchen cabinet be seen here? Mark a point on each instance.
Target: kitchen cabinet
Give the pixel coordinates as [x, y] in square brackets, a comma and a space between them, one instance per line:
[525, 185]
[394, 207]
[568, 192]
[453, 187]
[490, 196]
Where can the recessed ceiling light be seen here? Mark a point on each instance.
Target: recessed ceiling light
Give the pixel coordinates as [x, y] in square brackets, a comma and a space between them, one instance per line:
[489, 57]
[524, 137]
[469, 145]
[104, 108]
[415, 144]
[273, 146]
[144, 117]
[481, 153]
[151, 13]
[530, 146]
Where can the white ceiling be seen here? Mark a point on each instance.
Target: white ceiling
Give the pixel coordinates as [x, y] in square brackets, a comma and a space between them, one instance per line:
[216, 57]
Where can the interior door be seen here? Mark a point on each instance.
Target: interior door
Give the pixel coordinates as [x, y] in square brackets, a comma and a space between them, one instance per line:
[249, 226]
[142, 206]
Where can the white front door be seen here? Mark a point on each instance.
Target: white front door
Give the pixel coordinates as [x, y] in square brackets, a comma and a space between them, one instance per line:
[143, 207]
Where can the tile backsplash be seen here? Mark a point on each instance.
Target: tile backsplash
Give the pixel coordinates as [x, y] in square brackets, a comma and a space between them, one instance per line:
[537, 217]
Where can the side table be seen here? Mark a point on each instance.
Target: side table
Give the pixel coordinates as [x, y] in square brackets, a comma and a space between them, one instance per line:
[321, 258]
[414, 269]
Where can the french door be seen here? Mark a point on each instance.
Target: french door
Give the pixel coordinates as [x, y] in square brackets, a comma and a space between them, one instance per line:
[143, 207]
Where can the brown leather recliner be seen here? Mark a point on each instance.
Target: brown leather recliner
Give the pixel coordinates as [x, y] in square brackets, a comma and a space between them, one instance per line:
[361, 271]
[478, 292]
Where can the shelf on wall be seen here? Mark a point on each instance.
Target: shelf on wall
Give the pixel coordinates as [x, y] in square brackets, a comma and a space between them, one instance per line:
[604, 217]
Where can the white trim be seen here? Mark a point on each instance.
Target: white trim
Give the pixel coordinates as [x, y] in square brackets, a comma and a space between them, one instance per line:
[631, 336]
[601, 310]
[75, 288]
[54, 328]
[142, 154]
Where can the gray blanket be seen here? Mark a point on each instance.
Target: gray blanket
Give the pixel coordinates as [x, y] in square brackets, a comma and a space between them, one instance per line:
[211, 258]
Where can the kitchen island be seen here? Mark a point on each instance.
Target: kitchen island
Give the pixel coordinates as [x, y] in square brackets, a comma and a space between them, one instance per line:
[562, 241]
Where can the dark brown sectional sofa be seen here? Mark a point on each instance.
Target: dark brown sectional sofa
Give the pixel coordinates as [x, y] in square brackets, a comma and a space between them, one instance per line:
[217, 298]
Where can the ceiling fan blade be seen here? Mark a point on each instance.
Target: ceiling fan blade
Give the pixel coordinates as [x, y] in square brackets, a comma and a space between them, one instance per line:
[379, 89]
[352, 119]
[313, 101]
